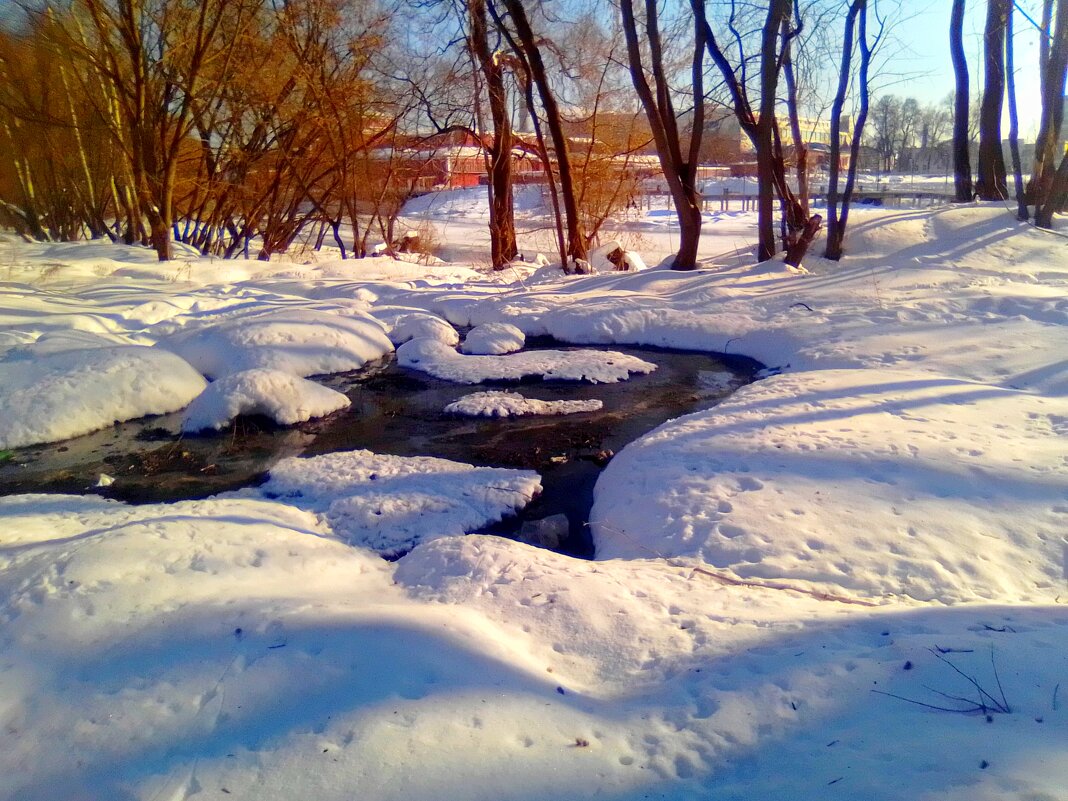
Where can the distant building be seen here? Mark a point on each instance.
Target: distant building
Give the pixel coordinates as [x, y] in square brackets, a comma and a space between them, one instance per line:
[727, 143]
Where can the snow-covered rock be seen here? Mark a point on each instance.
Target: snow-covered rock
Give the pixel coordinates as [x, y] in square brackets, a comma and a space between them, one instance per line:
[392, 503]
[283, 397]
[301, 342]
[493, 339]
[419, 325]
[512, 404]
[595, 366]
[67, 393]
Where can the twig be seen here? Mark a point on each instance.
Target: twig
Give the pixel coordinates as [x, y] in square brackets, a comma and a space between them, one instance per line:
[973, 709]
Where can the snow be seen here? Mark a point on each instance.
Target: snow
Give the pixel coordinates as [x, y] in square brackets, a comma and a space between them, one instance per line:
[284, 398]
[493, 339]
[512, 404]
[885, 508]
[392, 503]
[420, 325]
[300, 342]
[61, 394]
[598, 367]
[867, 487]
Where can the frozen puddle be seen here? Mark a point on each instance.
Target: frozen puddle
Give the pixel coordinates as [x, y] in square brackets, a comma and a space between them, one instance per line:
[400, 411]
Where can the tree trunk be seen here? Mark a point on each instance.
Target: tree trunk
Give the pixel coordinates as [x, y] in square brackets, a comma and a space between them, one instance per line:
[576, 239]
[680, 171]
[838, 212]
[503, 248]
[1058, 197]
[1048, 141]
[991, 183]
[800, 151]
[962, 168]
[1022, 213]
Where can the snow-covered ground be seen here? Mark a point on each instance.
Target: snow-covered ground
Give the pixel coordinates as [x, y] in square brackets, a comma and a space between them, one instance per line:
[791, 592]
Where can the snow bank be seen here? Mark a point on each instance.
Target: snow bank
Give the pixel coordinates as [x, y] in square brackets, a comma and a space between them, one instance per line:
[512, 404]
[301, 342]
[392, 503]
[71, 392]
[420, 325]
[868, 486]
[493, 339]
[595, 366]
[283, 397]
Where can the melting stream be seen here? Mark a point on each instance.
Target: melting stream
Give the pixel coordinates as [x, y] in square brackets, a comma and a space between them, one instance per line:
[397, 411]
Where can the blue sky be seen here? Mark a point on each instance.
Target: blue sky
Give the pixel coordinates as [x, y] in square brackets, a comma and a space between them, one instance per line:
[923, 31]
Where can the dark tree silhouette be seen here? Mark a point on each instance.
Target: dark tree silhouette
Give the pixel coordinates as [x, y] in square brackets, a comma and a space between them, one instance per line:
[962, 166]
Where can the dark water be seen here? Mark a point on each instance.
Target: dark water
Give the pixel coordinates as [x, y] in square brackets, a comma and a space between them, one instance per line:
[397, 411]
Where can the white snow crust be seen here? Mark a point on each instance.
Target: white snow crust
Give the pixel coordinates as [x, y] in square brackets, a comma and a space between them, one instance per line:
[596, 366]
[392, 503]
[512, 404]
[889, 510]
[301, 342]
[61, 394]
[283, 397]
[493, 339]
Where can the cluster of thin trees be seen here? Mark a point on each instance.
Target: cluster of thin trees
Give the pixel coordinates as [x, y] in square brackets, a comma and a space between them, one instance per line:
[222, 123]
[211, 122]
[1047, 189]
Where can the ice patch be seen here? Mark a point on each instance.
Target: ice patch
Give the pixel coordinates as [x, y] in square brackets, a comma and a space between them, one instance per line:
[595, 366]
[392, 503]
[283, 397]
[512, 404]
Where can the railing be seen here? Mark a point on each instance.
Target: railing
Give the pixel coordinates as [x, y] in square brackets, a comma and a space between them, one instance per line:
[879, 196]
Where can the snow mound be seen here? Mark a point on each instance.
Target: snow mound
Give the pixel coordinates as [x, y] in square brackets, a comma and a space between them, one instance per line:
[423, 326]
[63, 341]
[301, 342]
[392, 503]
[851, 482]
[493, 339]
[512, 404]
[61, 395]
[595, 366]
[284, 398]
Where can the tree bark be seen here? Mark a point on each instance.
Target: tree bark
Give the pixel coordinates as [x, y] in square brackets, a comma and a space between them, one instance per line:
[1022, 213]
[1057, 199]
[680, 171]
[1048, 141]
[836, 220]
[503, 248]
[991, 183]
[962, 168]
[576, 238]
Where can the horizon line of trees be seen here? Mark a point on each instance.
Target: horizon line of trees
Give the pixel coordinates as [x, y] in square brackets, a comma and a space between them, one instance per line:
[217, 123]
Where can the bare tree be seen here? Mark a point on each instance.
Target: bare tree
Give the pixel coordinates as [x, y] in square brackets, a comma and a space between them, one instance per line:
[502, 216]
[1047, 144]
[762, 129]
[678, 162]
[526, 46]
[990, 184]
[1022, 212]
[962, 169]
[153, 55]
[838, 206]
